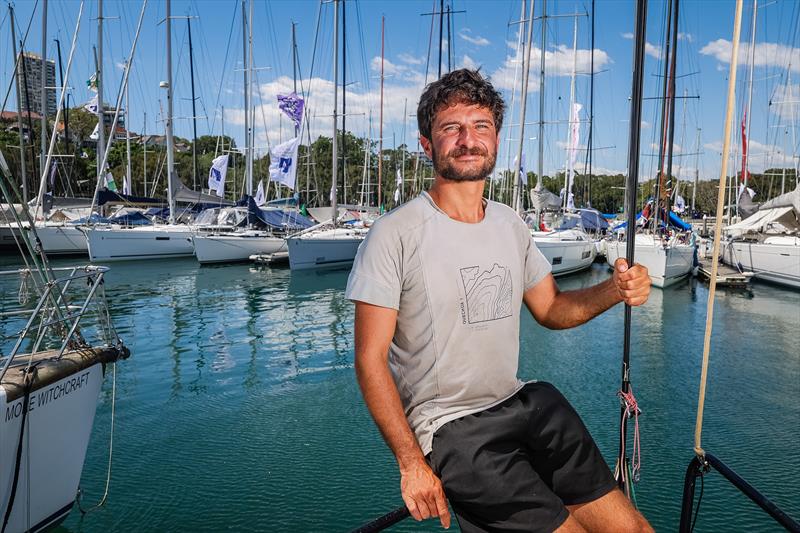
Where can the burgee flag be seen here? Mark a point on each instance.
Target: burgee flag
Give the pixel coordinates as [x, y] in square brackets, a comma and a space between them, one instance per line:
[292, 105]
[398, 186]
[92, 105]
[95, 132]
[260, 198]
[110, 184]
[283, 163]
[216, 176]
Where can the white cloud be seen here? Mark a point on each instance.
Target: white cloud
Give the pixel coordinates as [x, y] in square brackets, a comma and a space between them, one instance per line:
[649, 48]
[558, 62]
[688, 37]
[477, 40]
[410, 60]
[763, 55]
[786, 102]
[760, 156]
[468, 62]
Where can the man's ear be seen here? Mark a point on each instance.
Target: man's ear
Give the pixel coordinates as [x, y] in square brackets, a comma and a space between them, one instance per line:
[426, 145]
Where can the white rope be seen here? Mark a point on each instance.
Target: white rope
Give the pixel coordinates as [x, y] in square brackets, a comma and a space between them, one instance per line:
[698, 428]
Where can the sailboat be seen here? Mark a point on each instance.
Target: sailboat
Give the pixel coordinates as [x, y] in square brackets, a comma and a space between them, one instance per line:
[667, 254]
[51, 371]
[329, 244]
[113, 243]
[768, 242]
[567, 247]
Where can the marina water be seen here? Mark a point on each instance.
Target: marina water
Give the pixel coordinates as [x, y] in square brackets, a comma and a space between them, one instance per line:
[239, 409]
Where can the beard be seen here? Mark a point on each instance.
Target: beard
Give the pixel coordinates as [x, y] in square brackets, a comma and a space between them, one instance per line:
[443, 164]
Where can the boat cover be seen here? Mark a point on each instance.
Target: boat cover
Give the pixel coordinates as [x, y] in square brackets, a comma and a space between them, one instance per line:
[762, 219]
[276, 219]
[134, 218]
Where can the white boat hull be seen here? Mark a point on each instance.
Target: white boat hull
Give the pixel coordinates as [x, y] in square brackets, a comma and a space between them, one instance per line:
[9, 233]
[62, 239]
[235, 247]
[666, 265]
[777, 262]
[57, 430]
[567, 252]
[149, 242]
[327, 249]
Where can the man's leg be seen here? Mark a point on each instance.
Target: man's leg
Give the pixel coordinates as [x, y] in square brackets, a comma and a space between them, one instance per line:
[610, 513]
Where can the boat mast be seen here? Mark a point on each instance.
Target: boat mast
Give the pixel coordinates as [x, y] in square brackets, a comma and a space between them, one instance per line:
[696, 170]
[589, 140]
[334, 166]
[573, 117]
[250, 108]
[144, 152]
[101, 112]
[745, 173]
[194, 106]
[540, 177]
[19, 63]
[380, 127]
[344, 100]
[671, 138]
[128, 181]
[170, 140]
[441, 35]
[43, 92]
[526, 59]
[246, 72]
[663, 138]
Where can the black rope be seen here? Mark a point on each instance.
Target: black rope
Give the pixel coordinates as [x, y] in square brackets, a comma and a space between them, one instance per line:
[699, 500]
[385, 521]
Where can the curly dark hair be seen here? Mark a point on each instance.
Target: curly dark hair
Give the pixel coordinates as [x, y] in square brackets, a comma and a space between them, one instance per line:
[463, 86]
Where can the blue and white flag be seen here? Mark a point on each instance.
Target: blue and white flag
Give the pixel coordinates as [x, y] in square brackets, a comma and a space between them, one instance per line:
[292, 105]
[283, 163]
[523, 175]
[216, 176]
[92, 106]
[260, 198]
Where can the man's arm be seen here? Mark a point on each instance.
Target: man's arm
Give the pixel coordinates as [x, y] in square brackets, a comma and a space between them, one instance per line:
[560, 310]
[421, 490]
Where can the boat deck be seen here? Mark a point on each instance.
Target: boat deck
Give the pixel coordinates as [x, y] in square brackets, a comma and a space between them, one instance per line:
[726, 275]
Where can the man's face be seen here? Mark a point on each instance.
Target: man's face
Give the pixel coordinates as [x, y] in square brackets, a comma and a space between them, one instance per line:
[463, 144]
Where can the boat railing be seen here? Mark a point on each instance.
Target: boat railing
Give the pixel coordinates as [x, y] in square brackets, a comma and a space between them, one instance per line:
[699, 467]
[55, 323]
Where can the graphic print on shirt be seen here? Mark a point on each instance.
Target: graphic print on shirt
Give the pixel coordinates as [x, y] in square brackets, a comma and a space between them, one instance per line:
[488, 292]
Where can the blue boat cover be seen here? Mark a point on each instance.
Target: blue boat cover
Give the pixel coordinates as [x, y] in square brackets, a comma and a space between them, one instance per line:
[275, 219]
[135, 218]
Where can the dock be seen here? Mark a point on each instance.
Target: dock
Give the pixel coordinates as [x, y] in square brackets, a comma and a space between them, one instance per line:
[726, 275]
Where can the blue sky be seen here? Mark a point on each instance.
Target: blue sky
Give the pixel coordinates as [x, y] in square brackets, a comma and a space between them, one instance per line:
[481, 36]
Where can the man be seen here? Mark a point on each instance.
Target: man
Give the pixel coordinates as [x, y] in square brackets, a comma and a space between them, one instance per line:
[438, 286]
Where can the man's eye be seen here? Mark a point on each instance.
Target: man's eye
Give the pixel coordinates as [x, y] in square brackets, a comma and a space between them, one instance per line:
[451, 129]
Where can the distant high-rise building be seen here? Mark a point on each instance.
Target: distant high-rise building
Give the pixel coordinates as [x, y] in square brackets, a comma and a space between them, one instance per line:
[31, 92]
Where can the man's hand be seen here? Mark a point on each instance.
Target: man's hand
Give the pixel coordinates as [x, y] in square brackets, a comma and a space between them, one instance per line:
[632, 284]
[423, 493]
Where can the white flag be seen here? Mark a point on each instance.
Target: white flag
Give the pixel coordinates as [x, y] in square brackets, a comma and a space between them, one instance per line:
[260, 198]
[92, 106]
[96, 132]
[216, 176]
[574, 139]
[283, 163]
[398, 190]
[126, 184]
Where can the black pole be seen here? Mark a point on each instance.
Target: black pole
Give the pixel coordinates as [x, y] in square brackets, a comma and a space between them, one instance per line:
[194, 109]
[698, 467]
[664, 118]
[294, 68]
[672, 77]
[449, 42]
[385, 521]
[634, 138]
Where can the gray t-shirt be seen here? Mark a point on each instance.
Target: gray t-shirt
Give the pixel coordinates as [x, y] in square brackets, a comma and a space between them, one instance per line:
[458, 290]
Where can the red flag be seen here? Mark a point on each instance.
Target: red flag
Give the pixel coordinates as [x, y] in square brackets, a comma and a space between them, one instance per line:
[744, 149]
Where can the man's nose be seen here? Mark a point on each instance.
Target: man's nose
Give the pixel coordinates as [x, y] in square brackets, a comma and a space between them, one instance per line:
[466, 137]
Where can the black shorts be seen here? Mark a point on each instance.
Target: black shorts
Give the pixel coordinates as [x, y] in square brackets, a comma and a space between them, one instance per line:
[515, 466]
